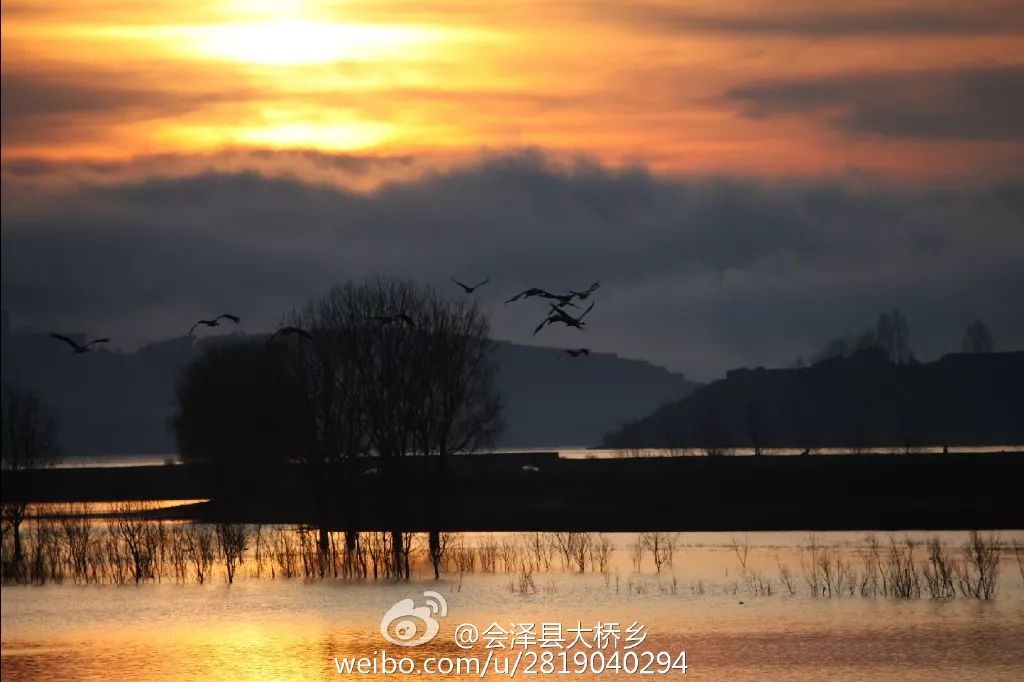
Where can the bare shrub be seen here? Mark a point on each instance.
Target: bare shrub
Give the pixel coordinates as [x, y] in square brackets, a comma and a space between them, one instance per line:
[574, 549]
[464, 557]
[636, 553]
[939, 571]
[233, 539]
[601, 551]
[873, 579]
[786, 578]
[200, 538]
[488, 553]
[977, 574]
[809, 564]
[132, 533]
[77, 529]
[662, 547]
[540, 550]
[741, 550]
[509, 553]
[523, 582]
[901, 575]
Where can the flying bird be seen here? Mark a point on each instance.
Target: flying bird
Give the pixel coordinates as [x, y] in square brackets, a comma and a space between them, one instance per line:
[557, 314]
[470, 289]
[215, 322]
[77, 348]
[576, 352]
[294, 330]
[563, 299]
[528, 293]
[585, 294]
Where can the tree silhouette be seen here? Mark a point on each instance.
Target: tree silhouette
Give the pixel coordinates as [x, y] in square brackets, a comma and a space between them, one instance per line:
[351, 386]
[236, 410]
[28, 440]
[892, 333]
[977, 338]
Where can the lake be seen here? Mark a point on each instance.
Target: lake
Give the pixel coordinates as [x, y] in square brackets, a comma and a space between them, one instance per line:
[721, 598]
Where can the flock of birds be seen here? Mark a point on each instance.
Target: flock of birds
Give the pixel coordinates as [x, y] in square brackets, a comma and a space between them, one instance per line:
[557, 314]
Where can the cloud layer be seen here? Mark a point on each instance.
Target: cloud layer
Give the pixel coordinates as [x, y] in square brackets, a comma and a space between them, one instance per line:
[979, 103]
[698, 274]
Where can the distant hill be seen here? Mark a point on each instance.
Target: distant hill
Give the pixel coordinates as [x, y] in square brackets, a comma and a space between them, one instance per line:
[551, 399]
[860, 401]
[118, 403]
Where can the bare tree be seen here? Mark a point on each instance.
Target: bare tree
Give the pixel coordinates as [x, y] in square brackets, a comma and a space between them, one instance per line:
[458, 409]
[892, 333]
[321, 365]
[977, 338]
[28, 434]
[662, 547]
[378, 385]
[233, 539]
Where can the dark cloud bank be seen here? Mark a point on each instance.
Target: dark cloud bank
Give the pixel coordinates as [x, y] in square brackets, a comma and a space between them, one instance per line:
[976, 103]
[698, 274]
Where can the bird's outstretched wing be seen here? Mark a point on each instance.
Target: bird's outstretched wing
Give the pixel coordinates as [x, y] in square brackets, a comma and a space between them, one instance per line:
[586, 292]
[192, 331]
[227, 316]
[465, 287]
[557, 313]
[532, 291]
[480, 284]
[103, 340]
[558, 297]
[71, 342]
[589, 308]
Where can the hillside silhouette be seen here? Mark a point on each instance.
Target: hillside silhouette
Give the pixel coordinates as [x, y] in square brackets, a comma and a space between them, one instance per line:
[853, 402]
[110, 403]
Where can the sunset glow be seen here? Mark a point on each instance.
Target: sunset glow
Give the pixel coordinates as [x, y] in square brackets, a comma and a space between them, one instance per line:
[664, 84]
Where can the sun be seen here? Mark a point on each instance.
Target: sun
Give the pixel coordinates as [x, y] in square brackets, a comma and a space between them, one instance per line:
[297, 41]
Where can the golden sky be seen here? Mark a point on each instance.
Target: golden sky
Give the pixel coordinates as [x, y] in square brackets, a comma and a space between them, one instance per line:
[911, 89]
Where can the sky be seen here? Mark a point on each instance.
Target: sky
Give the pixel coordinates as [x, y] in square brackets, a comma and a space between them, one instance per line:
[747, 180]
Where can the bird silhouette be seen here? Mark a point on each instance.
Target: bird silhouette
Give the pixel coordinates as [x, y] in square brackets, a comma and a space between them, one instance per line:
[559, 315]
[563, 299]
[576, 352]
[528, 293]
[294, 330]
[215, 322]
[585, 294]
[470, 289]
[77, 348]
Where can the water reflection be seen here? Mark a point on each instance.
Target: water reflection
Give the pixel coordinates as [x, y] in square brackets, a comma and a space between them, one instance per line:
[292, 629]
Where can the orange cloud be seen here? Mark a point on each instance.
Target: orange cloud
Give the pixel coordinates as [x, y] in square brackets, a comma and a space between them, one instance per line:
[670, 85]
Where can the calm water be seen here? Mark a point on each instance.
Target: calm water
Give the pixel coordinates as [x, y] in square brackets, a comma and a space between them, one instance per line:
[569, 452]
[293, 629]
